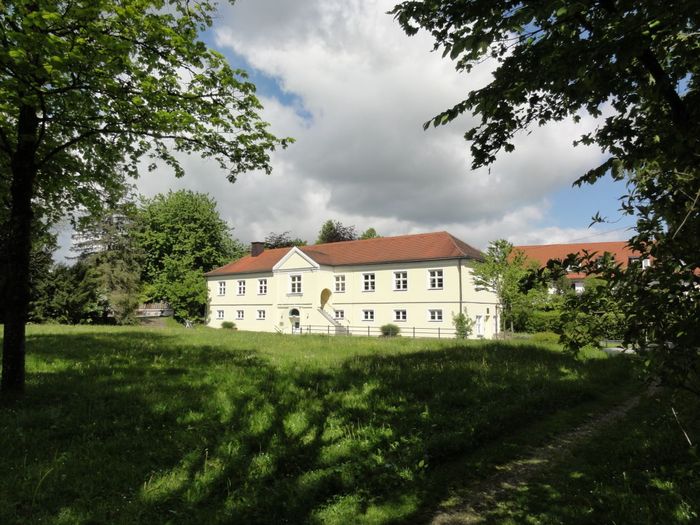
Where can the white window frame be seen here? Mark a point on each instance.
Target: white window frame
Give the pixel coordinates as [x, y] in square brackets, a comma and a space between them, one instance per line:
[295, 284]
[435, 315]
[240, 315]
[219, 315]
[340, 284]
[401, 281]
[222, 288]
[433, 280]
[339, 314]
[241, 287]
[400, 315]
[368, 315]
[261, 315]
[369, 282]
[262, 286]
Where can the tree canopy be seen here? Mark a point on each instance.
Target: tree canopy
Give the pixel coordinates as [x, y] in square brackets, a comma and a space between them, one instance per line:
[181, 236]
[90, 88]
[282, 240]
[633, 66]
[335, 231]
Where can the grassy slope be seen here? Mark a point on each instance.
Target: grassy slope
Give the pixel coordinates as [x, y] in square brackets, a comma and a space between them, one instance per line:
[126, 425]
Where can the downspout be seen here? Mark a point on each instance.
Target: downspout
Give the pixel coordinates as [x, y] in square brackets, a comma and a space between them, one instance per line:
[459, 272]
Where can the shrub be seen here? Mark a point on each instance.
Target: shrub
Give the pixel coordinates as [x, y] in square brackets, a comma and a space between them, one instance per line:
[463, 325]
[229, 325]
[390, 330]
[541, 321]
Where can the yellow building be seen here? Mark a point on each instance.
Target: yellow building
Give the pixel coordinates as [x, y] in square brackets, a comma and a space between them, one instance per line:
[417, 282]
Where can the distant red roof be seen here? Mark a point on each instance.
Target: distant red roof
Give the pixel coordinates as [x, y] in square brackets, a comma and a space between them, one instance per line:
[403, 248]
[542, 253]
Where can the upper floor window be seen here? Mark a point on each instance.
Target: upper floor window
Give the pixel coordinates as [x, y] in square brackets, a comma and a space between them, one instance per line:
[400, 280]
[339, 283]
[435, 279]
[262, 286]
[435, 315]
[220, 315]
[222, 287]
[295, 283]
[368, 282]
[241, 287]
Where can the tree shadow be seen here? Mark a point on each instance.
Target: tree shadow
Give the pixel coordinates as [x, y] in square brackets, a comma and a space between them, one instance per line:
[138, 428]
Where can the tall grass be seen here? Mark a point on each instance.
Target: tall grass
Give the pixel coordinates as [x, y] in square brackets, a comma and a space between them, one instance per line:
[130, 425]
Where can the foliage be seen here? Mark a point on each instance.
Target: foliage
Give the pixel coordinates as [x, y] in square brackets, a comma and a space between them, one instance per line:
[282, 240]
[540, 321]
[106, 243]
[390, 330]
[87, 91]
[591, 316]
[182, 236]
[334, 231]
[228, 325]
[500, 273]
[280, 429]
[463, 325]
[636, 64]
[70, 295]
[369, 233]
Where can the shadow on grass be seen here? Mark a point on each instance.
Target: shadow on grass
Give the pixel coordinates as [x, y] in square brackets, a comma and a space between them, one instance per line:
[138, 428]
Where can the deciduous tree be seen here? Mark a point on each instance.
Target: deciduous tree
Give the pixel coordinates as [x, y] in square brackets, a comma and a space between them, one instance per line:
[181, 236]
[334, 231]
[90, 87]
[632, 65]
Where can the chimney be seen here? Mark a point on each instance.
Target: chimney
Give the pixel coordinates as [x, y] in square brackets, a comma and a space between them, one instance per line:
[256, 248]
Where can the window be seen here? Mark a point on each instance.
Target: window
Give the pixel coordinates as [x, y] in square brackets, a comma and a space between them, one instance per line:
[399, 315]
[295, 283]
[220, 315]
[262, 286]
[435, 279]
[368, 280]
[479, 325]
[239, 315]
[435, 315]
[241, 287]
[339, 283]
[368, 315]
[261, 315]
[646, 263]
[340, 314]
[400, 280]
[222, 287]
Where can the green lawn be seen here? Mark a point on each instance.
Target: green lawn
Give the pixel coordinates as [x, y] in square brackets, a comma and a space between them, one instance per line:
[129, 425]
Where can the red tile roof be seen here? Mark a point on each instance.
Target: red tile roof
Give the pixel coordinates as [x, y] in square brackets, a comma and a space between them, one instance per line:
[403, 248]
[542, 253]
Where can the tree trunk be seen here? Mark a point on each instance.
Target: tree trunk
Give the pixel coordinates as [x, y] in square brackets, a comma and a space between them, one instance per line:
[19, 248]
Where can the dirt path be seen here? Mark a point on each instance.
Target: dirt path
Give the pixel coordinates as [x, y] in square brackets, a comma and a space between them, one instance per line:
[512, 475]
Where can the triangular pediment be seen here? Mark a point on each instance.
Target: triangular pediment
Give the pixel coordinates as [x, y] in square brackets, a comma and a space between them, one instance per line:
[295, 259]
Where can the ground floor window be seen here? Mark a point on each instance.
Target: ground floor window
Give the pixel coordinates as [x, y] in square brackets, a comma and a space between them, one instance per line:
[220, 315]
[261, 315]
[400, 315]
[479, 325]
[368, 315]
[240, 315]
[435, 315]
[340, 314]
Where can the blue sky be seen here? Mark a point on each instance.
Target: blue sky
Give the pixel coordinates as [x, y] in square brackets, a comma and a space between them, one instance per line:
[353, 90]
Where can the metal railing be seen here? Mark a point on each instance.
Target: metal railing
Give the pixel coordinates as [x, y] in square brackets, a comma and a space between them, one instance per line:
[375, 331]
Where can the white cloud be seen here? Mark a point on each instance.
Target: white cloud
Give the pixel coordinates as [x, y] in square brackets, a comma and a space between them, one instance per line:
[361, 155]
